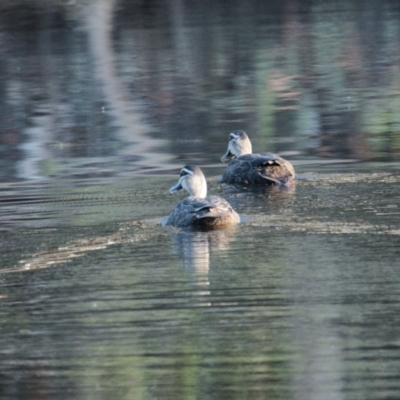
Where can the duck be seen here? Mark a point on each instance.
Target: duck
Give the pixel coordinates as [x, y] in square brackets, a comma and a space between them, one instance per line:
[247, 168]
[198, 209]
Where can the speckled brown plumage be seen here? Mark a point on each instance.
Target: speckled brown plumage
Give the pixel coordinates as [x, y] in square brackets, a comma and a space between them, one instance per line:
[259, 169]
[212, 211]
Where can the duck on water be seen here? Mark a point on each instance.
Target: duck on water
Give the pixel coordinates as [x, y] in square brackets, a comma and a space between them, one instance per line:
[247, 168]
[199, 210]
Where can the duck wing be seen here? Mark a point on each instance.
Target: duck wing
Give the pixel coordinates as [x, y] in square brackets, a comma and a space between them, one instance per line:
[215, 212]
[274, 168]
[211, 206]
[193, 210]
[266, 168]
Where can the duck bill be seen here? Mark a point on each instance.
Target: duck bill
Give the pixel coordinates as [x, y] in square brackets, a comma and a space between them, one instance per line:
[176, 187]
[227, 156]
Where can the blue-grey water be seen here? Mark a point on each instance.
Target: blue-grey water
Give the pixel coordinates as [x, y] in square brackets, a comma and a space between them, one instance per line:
[101, 103]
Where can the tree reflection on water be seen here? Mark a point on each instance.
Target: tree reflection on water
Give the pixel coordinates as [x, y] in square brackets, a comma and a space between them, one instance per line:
[136, 84]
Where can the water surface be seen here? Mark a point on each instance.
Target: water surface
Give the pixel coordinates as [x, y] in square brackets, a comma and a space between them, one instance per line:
[102, 103]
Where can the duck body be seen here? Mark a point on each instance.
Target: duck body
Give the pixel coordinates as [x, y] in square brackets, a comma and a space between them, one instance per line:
[247, 168]
[259, 169]
[208, 212]
[199, 210]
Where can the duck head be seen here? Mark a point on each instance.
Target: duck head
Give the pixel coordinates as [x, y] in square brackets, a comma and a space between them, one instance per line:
[192, 180]
[239, 145]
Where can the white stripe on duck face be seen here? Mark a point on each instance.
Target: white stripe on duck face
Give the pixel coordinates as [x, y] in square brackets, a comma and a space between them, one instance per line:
[186, 171]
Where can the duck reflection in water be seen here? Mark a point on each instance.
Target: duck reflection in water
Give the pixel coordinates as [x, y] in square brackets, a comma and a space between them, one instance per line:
[199, 210]
[247, 168]
[196, 248]
[254, 198]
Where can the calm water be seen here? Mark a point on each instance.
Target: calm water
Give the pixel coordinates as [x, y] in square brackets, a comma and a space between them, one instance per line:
[101, 103]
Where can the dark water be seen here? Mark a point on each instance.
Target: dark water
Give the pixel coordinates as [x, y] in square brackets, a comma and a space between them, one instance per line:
[101, 103]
